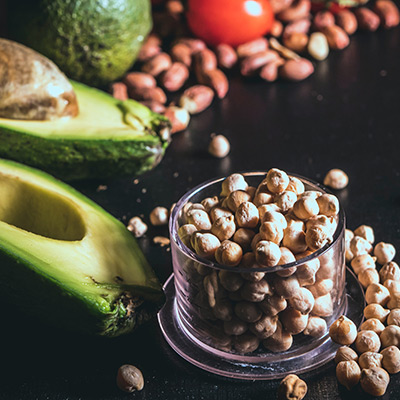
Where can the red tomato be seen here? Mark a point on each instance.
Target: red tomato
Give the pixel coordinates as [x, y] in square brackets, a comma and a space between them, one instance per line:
[229, 21]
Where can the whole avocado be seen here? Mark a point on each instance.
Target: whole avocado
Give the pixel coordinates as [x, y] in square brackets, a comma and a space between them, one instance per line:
[92, 41]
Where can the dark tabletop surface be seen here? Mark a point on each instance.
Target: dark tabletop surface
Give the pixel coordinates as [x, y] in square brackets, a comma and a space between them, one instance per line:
[347, 115]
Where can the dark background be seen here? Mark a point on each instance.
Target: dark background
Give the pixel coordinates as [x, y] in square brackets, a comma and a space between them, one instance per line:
[346, 115]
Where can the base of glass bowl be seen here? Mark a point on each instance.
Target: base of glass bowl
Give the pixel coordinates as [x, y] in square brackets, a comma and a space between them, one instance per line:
[272, 366]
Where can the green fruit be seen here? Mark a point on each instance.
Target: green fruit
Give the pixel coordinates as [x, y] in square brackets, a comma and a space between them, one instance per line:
[65, 259]
[92, 41]
[108, 137]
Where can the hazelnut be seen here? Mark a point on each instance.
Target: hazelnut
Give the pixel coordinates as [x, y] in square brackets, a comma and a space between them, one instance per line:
[247, 215]
[343, 331]
[367, 341]
[159, 216]
[292, 388]
[219, 146]
[384, 252]
[229, 254]
[391, 359]
[374, 381]
[336, 179]
[345, 353]
[370, 359]
[348, 373]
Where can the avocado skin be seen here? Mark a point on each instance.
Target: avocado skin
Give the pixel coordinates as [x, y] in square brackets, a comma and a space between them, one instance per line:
[78, 159]
[31, 288]
[92, 41]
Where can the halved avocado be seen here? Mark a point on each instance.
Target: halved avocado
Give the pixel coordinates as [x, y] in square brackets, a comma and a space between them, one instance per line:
[66, 260]
[108, 137]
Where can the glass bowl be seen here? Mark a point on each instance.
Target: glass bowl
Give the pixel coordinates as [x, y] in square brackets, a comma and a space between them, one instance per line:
[199, 327]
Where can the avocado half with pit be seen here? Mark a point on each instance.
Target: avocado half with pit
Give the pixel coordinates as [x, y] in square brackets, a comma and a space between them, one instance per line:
[69, 129]
[66, 260]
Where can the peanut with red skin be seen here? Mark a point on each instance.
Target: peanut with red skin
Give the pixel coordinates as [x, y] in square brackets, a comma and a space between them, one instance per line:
[174, 77]
[322, 19]
[249, 48]
[226, 56]
[337, 37]
[347, 21]
[299, 9]
[182, 53]
[217, 80]
[367, 19]
[196, 98]
[296, 70]
[157, 64]
[249, 65]
[119, 91]
[269, 72]
[388, 13]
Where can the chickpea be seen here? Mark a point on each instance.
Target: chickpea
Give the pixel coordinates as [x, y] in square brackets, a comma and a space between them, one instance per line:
[374, 381]
[328, 205]
[336, 179]
[293, 321]
[224, 227]
[271, 232]
[391, 359]
[327, 223]
[247, 215]
[309, 268]
[359, 245]
[390, 336]
[247, 311]
[137, 227]
[368, 277]
[273, 216]
[287, 257]
[263, 198]
[323, 306]
[204, 244]
[286, 287]
[294, 240]
[345, 353]
[199, 218]
[316, 327]
[130, 378]
[302, 301]
[264, 327]
[370, 359]
[384, 252]
[221, 341]
[392, 286]
[246, 343]
[305, 207]
[321, 288]
[273, 305]
[365, 232]
[233, 182]
[185, 233]
[394, 301]
[229, 254]
[251, 190]
[277, 180]
[236, 198]
[285, 200]
[348, 373]
[254, 241]
[256, 291]
[343, 331]
[367, 341]
[218, 212]
[295, 185]
[313, 194]
[317, 237]
[372, 324]
[235, 326]
[361, 263]
[348, 235]
[210, 202]
[231, 281]
[159, 216]
[268, 253]
[348, 256]
[222, 309]
[377, 293]
[249, 261]
[268, 208]
[394, 317]
[376, 311]
[279, 341]
[243, 237]
[390, 271]
[219, 146]
[292, 388]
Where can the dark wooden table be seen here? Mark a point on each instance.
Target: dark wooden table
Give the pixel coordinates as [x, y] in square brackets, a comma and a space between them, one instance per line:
[347, 115]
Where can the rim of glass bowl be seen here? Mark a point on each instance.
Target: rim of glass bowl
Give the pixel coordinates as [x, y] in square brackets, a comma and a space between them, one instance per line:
[173, 227]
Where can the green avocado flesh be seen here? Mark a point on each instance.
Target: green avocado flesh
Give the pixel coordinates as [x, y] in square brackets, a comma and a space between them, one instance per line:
[108, 137]
[66, 260]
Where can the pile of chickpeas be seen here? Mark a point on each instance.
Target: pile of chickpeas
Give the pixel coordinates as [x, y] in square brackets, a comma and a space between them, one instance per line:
[276, 223]
[374, 351]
